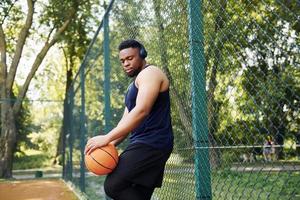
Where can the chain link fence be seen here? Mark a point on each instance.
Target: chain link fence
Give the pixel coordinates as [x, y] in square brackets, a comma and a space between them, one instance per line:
[234, 68]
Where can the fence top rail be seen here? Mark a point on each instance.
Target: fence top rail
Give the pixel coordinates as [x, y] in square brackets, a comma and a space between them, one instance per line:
[235, 147]
[30, 100]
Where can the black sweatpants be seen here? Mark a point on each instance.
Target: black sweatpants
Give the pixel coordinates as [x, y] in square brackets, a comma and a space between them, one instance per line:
[139, 171]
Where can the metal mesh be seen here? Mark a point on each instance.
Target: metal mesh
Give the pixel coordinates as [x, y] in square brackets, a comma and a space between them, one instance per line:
[235, 85]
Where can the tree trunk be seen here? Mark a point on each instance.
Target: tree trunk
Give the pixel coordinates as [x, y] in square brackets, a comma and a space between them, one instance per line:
[278, 120]
[8, 140]
[212, 118]
[212, 105]
[61, 146]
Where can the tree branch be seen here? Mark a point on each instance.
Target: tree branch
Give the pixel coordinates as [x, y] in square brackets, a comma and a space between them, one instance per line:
[3, 75]
[41, 55]
[49, 35]
[20, 45]
[3, 65]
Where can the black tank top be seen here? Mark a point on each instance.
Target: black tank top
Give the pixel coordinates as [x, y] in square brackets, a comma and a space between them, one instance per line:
[156, 129]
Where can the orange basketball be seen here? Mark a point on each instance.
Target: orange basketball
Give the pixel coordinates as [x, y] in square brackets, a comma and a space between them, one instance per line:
[102, 160]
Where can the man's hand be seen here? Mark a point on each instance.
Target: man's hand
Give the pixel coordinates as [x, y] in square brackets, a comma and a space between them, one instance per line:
[95, 142]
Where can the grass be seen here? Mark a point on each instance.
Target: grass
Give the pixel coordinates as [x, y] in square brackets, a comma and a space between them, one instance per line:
[93, 187]
[179, 181]
[176, 186]
[179, 184]
[256, 185]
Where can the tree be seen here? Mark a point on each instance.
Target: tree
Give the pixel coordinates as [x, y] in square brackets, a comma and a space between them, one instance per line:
[9, 65]
[257, 66]
[277, 80]
[74, 44]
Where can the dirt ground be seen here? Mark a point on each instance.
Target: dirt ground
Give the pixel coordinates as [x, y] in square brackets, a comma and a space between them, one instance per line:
[43, 189]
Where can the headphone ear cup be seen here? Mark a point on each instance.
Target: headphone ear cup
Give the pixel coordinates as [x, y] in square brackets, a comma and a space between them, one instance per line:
[143, 53]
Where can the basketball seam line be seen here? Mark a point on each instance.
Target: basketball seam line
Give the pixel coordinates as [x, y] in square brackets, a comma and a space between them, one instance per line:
[109, 154]
[100, 163]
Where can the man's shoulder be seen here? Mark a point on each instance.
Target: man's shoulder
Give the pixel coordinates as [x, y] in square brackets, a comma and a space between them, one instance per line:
[151, 70]
[154, 75]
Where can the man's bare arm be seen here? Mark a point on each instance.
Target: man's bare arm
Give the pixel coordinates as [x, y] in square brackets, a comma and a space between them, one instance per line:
[149, 82]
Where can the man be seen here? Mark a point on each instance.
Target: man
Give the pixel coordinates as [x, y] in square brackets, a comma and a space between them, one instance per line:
[268, 149]
[147, 116]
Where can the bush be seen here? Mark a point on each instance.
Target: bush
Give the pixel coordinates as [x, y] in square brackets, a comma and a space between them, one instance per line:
[30, 161]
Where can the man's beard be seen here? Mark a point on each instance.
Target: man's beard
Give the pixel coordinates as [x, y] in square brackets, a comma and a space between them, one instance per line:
[134, 73]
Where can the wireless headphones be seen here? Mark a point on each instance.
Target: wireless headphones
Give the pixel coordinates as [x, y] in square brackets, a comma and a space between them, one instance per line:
[143, 52]
[131, 43]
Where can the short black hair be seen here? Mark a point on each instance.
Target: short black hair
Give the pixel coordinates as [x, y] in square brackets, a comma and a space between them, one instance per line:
[131, 43]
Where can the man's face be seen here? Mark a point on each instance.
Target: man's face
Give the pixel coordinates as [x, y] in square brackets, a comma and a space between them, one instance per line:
[131, 61]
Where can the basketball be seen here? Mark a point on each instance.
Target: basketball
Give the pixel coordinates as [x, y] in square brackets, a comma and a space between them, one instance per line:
[102, 160]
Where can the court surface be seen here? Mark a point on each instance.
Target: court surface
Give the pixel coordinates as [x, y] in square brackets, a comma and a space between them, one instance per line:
[43, 189]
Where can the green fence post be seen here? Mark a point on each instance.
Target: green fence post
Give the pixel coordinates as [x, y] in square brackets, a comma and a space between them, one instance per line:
[199, 104]
[71, 131]
[107, 112]
[64, 133]
[82, 130]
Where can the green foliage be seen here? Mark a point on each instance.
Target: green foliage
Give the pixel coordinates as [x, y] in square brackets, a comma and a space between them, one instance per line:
[24, 127]
[58, 12]
[11, 11]
[31, 161]
[252, 73]
[257, 81]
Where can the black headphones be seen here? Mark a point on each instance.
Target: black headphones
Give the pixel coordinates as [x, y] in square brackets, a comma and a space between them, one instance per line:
[143, 52]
